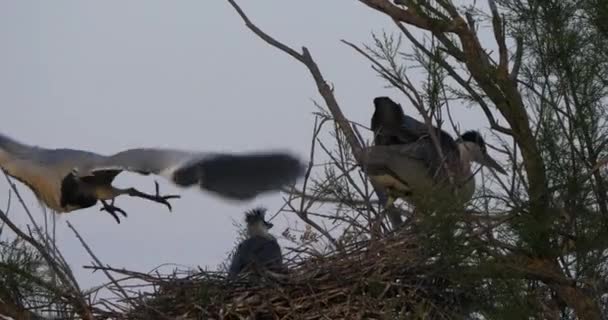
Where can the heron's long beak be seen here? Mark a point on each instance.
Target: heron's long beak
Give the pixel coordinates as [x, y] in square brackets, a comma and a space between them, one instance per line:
[489, 162]
[268, 224]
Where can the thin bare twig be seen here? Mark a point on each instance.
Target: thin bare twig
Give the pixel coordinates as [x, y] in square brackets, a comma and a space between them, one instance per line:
[88, 249]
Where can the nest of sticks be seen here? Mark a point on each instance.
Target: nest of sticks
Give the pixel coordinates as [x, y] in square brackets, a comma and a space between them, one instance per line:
[389, 278]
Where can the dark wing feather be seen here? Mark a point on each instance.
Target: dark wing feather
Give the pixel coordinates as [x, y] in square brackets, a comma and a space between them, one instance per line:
[241, 176]
[392, 126]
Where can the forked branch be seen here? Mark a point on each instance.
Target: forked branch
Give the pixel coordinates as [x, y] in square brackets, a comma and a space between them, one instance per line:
[324, 88]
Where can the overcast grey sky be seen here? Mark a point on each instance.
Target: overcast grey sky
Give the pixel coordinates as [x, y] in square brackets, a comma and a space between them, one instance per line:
[114, 74]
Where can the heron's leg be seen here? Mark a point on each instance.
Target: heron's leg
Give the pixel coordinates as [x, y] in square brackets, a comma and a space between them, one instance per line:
[390, 211]
[390, 200]
[112, 209]
[156, 197]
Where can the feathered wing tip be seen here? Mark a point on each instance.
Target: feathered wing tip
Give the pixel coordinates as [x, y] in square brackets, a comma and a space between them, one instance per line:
[11, 145]
[255, 215]
[242, 176]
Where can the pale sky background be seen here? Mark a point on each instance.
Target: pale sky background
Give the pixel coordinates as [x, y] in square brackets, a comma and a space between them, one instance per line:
[110, 75]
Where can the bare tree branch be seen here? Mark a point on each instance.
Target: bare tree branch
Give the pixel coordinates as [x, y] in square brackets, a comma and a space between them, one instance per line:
[410, 16]
[499, 35]
[519, 52]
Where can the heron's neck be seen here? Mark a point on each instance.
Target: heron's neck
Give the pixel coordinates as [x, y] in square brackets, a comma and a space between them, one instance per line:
[258, 230]
[465, 149]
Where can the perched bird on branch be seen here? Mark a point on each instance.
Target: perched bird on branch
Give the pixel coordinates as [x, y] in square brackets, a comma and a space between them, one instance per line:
[260, 251]
[407, 162]
[66, 179]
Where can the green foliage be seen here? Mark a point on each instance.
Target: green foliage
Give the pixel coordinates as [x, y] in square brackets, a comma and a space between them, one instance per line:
[20, 272]
[26, 282]
[565, 74]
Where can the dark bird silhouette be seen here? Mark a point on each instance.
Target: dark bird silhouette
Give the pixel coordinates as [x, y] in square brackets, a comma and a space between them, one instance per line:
[260, 251]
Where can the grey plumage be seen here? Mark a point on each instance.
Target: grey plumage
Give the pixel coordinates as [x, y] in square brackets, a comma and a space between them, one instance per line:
[413, 168]
[407, 162]
[260, 251]
[67, 179]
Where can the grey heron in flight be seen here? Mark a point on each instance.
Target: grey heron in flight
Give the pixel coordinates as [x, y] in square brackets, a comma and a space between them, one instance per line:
[406, 161]
[260, 250]
[66, 179]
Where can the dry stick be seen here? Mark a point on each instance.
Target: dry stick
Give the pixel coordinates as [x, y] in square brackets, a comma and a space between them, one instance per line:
[86, 247]
[8, 208]
[324, 89]
[302, 215]
[316, 130]
[316, 226]
[127, 273]
[349, 220]
[316, 198]
[25, 207]
[345, 171]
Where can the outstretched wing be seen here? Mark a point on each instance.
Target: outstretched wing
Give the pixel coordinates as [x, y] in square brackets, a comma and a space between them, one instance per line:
[235, 176]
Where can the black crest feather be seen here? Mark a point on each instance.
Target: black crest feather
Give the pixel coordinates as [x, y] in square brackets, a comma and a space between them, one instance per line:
[475, 137]
[255, 215]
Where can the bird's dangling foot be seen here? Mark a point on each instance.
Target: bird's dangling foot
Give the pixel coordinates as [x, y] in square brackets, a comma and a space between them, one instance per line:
[112, 209]
[157, 197]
